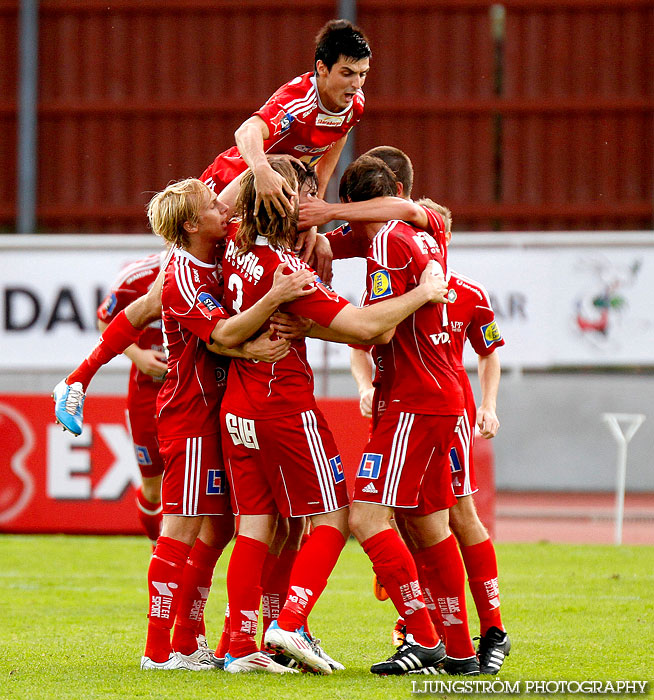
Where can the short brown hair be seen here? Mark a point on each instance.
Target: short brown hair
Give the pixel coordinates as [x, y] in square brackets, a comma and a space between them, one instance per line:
[366, 178]
[399, 162]
[280, 231]
[171, 208]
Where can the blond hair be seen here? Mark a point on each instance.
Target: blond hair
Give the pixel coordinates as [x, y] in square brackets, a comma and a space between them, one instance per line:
[171, 208]
[443, 211]
[280, 231]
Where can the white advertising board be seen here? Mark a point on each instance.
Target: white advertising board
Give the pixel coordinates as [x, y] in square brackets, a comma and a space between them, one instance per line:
[560, 299]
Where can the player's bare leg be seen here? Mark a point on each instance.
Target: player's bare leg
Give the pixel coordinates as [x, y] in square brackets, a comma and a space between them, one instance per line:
[481, 565]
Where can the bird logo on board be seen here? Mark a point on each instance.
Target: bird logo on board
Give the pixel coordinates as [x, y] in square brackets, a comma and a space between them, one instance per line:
[491, 333]
[381, 285]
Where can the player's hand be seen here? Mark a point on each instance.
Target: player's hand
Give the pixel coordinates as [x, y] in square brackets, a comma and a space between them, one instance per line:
[487, 422]
[313, 212]
[273, 192]
[151, 362]
[306, 240]
[365, 402]
[290, 326]
[434, 280]
[321, 260]
[264, 349]
[298, 284]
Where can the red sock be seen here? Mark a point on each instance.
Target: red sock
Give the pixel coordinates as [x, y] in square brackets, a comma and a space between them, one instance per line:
[117, 336]
[223, 643]
[244, 593]
[394, 565]
[275, 587]
[313, 565]
[445, 577]
[150, 515]
[196, 584]
[481, 565]
[164, 584]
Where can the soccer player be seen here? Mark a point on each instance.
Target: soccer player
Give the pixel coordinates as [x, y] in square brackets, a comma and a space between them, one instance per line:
[145, 379]
[309, 118]
[198, 520]
[401, 472]
[470, 315]
[279, 452]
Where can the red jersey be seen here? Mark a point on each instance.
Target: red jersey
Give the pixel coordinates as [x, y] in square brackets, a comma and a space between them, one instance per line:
[133, 282]
[348, 244]
[299, 125]
[189, 401]
[471, 316]
[419, 359]
[263, 389]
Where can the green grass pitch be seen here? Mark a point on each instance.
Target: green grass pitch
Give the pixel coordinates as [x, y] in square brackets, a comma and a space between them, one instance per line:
[73, 619]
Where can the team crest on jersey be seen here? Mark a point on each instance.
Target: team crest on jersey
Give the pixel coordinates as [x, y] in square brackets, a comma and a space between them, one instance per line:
[282, 121]
[370, 465]
[491, 333]
[142, 455]
[207, 304]
[381, 285]
[337, 469]
[451, 296]
[110, 304]
[329, 119]
[216, 482]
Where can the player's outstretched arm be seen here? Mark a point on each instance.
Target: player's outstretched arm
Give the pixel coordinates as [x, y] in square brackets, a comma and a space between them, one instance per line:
[489, 379]
[376, 323]
[273, 191]
[233, 331]
[150, 362]
[315, 212]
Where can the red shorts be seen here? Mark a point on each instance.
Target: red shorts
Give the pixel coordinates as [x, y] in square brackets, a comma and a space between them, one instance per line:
[406, 464]
[288, 465]
[142, 422]
[464, 482]
[194, 480]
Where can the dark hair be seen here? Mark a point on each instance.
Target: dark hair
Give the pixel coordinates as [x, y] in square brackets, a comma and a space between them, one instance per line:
[399, 162]
[306, 175]
[340, 38]
[365, 178]
[280, 231]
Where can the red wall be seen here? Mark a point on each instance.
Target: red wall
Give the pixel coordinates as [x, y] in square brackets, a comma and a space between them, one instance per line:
[550, 128]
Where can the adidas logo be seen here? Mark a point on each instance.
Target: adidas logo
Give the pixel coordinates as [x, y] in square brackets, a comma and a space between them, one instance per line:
[370, 488]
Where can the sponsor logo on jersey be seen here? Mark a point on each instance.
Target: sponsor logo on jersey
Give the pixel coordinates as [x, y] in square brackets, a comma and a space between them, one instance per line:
[370, 465]
[221, 375]
[207, 304]
[216, 482]
[491, 333]
[474, 290]
[142, 455]
[247, 264]
[370, 488]
[440, 338]
[308, 149]
[457, 326]
[381, 285]
[329, 119]
[451, 296]
[337, 469]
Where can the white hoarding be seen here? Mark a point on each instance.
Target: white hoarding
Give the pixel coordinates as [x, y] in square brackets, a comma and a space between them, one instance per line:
[560, 299]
